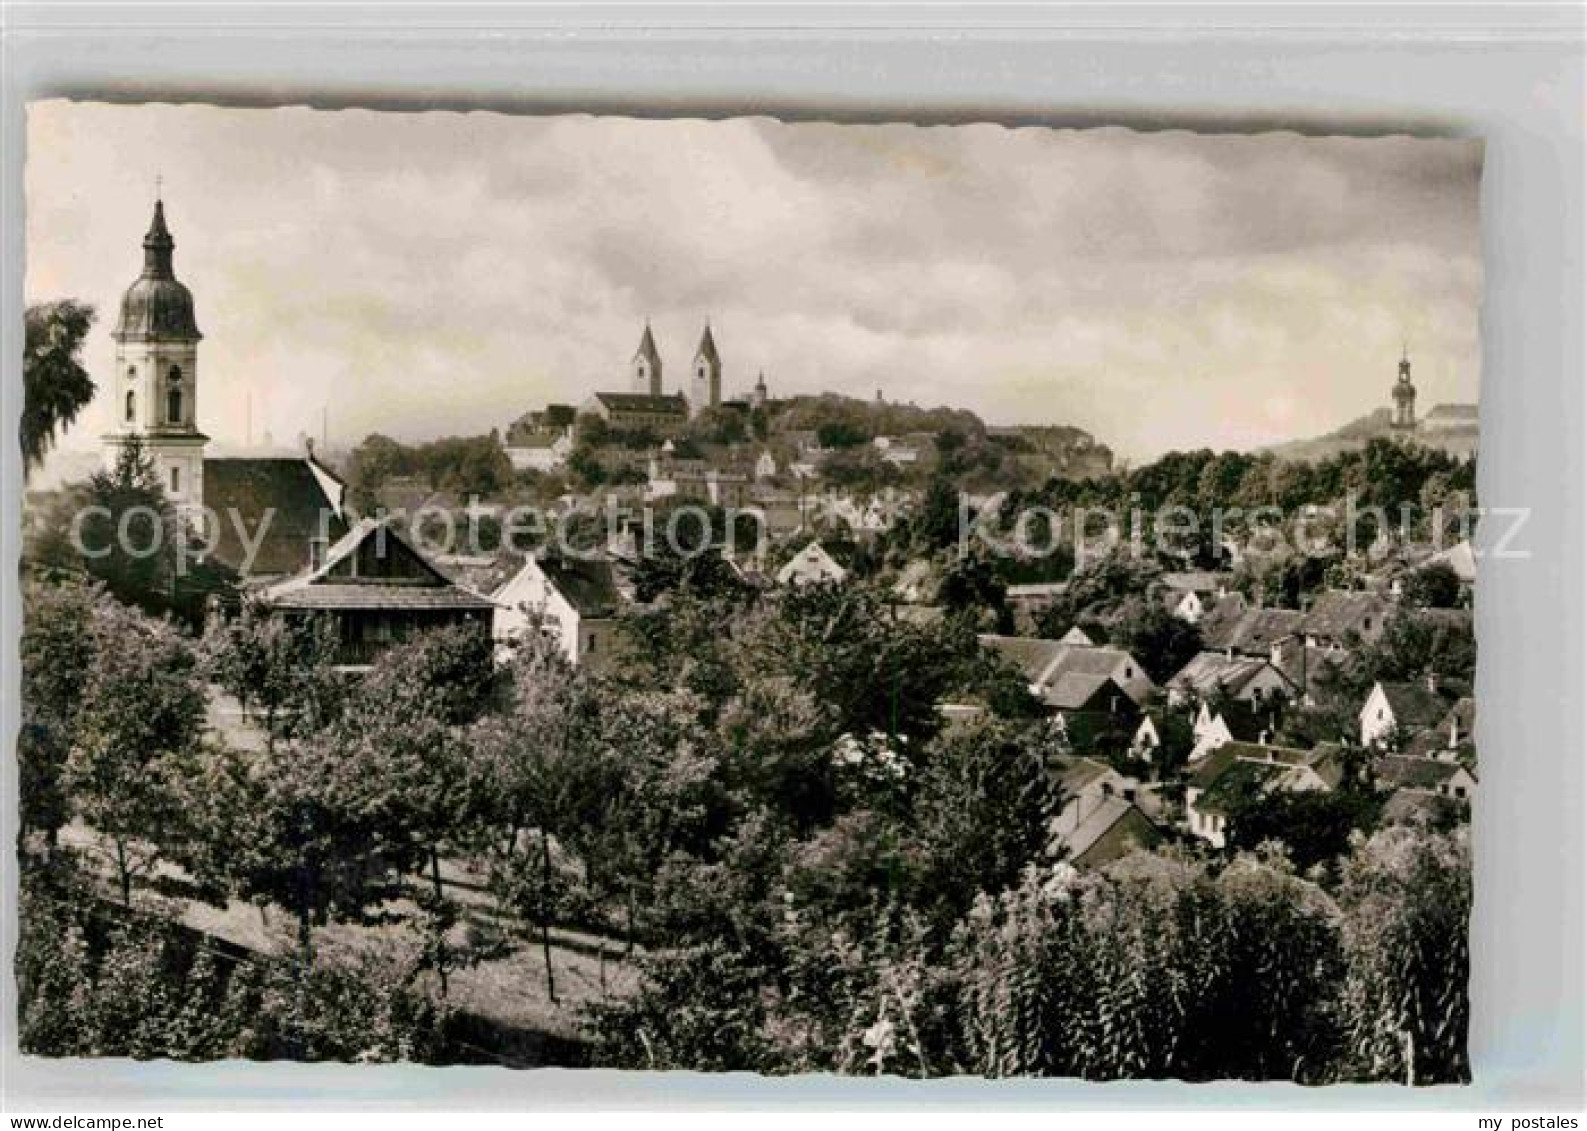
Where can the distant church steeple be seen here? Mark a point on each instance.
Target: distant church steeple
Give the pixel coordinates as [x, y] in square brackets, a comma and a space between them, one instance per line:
[647, 365]
[705, 381]
[1404, 416]
[155, 388]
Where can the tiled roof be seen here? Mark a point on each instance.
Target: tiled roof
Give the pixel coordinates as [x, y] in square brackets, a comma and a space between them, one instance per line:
[1339, 611]
[1207, 672]
[1075, 773]
[1214, 764]
[1073, 691]
[1052, 666]
[643, 402]
[1237, 779]
[1404, 771]
[589, 586]
[1083, 822]
[1414, 704]
[286, 489]
[325, 588]
[376, 595]
[1197, 581]
[1232, 623]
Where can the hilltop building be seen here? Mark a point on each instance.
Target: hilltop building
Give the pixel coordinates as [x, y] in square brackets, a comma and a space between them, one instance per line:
[647, 406]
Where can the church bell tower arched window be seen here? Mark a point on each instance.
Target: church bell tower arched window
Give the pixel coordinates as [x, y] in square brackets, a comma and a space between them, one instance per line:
[132, 406]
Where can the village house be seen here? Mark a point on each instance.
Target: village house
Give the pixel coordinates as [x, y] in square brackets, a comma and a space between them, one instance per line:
[574, 600]
[1341, 618]
[1230, 722]
[1091, 831]
[379, 590]
[1148, 737]
[813, 565]
[696, 479]
[543, 450]
[1240, 770]
[1028, 600]
[1401, 709]
[1077, 679]
[1246, 679]
[1412, 774]
[1454, 736]
[1232, 623]
[1188, 596]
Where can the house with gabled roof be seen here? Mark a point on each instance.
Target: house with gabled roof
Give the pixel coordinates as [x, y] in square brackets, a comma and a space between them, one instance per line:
[813, 565]
[1341, 617]
[1092, 831]
[1246, 679]
[573, 599]
[1188, 595]
[1437, 776]
[273, 516]
[1231, 624]
[1067, 675]
[1240, 770]
[1231, 721]
[1404, 708]
[378, 589]
[1453, 738]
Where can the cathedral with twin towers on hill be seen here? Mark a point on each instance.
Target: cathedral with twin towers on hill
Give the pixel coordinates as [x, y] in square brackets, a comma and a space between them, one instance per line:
[648, 405]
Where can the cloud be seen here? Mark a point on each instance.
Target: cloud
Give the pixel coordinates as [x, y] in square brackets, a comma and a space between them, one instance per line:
[423, 274]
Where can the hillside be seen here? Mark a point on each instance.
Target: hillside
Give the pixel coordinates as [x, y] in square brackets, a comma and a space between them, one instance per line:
[1452, 428]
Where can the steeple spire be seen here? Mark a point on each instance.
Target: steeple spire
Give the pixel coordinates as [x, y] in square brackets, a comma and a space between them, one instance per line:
[157, 246]
[647, 365]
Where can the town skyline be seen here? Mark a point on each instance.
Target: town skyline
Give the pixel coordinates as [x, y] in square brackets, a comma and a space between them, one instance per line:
[519, 278]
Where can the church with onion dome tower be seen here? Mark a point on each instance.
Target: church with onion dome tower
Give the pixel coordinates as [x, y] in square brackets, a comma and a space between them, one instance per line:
[265, 517]
[156, 368]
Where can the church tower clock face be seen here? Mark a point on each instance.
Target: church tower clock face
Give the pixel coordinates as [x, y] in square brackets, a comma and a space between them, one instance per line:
[157, 338]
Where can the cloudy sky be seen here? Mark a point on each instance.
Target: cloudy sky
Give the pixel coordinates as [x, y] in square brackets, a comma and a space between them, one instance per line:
[441, 273]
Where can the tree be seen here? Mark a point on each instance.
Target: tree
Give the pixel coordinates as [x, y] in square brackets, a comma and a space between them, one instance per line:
[1161, 641]
[55, 386]
[1407, 902]
[57, 655]
[314, 825]
[370, 465]
[445, 674]
[129, 535]
[1435, 586]
[937, 525]
[281, 669]
[530, 779]
[1316, 827]
[980, 813]
[136, 727]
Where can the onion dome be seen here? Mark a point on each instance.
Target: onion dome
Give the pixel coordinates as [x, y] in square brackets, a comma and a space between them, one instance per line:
[157, 306]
